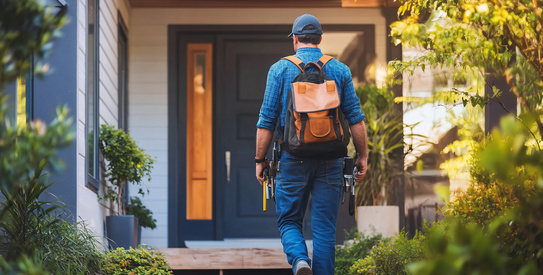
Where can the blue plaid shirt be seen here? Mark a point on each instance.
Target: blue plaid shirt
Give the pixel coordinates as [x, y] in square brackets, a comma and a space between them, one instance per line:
[279, 81]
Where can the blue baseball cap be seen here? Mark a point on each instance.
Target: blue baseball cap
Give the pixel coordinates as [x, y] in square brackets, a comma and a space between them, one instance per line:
[306, 20]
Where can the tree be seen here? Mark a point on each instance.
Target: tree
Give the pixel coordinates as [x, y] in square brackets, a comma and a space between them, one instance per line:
[27, 29]
[498, 37]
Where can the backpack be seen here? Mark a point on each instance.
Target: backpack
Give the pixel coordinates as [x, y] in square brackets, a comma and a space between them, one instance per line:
[315, 126]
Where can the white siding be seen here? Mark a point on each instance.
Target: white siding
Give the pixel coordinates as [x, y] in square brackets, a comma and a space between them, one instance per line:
[148, 77]
[89, 209]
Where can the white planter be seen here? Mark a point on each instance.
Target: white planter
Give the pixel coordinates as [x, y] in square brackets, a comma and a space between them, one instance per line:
[373, 220]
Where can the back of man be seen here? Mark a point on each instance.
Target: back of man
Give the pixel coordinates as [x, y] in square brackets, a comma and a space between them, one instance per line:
[298, 178]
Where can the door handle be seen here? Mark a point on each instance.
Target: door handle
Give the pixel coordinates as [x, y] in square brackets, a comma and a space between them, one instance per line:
[227, 161]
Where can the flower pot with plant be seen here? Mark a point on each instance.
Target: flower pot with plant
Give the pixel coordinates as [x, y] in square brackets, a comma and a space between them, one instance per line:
[384, 126]
[123, 162]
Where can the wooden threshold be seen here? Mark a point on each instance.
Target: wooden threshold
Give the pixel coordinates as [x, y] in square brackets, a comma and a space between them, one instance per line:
[225, 258]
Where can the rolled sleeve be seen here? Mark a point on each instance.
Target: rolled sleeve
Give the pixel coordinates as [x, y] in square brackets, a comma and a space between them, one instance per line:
[350, 104]
[271, 105]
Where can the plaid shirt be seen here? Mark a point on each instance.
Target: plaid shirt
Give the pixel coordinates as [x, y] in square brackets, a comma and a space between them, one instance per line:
[279, 81]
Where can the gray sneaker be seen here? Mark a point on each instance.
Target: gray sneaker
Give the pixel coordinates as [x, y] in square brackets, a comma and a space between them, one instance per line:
[302, 268]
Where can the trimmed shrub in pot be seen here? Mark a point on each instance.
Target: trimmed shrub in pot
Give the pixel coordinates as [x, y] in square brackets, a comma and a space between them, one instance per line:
[126, 162]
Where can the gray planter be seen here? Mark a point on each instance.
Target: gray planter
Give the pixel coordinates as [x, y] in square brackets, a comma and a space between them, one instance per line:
[122, 231]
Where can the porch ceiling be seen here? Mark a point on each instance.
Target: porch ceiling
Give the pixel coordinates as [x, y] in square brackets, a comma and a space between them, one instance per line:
[261, 3]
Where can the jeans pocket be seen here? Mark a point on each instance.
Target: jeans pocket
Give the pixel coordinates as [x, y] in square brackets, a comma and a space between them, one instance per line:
[334, 174]
[292, 176]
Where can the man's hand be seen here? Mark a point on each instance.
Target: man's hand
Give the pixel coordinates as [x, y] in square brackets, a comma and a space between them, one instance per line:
[362, 164]
[259, 169]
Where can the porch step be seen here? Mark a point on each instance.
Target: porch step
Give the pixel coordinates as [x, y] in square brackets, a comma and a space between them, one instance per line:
[225, 258]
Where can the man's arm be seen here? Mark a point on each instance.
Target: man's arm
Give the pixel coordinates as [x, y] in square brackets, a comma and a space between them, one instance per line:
[360, 140]
[263, 141]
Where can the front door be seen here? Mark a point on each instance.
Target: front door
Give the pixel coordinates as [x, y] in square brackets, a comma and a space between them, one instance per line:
[242, 73]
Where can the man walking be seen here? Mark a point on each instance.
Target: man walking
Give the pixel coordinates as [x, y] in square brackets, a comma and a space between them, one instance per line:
[300, 177]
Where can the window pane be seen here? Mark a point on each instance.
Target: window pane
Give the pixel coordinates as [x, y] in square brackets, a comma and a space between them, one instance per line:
[92, 91]
[199, 134]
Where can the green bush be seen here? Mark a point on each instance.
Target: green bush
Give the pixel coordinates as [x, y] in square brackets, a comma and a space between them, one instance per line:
[392, 257]
[136, 261]
[364, 266]
[347, 255]
[21, 266]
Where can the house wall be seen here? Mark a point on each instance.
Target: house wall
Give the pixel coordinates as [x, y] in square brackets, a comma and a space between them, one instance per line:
[148, 119]
[89, 209]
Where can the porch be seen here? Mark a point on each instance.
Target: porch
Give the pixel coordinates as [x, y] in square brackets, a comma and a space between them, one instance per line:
[199, 261]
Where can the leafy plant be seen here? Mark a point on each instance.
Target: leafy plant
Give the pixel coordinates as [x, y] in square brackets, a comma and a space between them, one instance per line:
[364, 266]
[144, 215]
[136, 261]
[21, 266]
[392, 257]
[347, 255]
[384, 126]
[28, 28]
[126, 162]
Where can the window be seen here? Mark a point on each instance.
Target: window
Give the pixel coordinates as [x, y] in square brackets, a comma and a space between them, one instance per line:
[123, 75]
[92, 94]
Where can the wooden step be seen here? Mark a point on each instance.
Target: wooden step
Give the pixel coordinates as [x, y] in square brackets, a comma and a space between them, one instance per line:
[225, 258]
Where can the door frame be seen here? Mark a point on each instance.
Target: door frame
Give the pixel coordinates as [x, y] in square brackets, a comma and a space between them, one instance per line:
[177, 113]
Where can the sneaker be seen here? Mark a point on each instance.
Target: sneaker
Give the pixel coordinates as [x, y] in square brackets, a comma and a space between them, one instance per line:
[302, 268]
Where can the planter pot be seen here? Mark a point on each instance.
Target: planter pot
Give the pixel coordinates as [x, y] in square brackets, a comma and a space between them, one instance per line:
[373, 220]
[122, 231]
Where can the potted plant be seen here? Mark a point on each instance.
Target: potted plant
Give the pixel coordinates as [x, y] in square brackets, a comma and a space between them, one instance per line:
[143, 214]
[124, 161]
[384, 125]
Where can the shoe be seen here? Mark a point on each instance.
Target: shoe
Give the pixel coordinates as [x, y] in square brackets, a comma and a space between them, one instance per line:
[302, 268]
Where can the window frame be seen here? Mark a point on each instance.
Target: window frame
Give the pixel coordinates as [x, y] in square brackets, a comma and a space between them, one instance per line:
[93, 181]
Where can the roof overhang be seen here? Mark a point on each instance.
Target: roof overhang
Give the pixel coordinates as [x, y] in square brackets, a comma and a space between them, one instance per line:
[263, 3]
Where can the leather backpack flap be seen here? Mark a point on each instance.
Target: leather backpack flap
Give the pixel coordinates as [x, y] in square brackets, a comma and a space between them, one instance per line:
[311, 97]
[319, 127]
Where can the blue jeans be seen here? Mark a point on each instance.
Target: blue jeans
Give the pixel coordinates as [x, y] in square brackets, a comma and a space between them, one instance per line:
[296, 180]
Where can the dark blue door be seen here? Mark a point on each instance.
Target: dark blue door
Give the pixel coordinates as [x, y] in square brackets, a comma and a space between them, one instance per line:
[242, 80]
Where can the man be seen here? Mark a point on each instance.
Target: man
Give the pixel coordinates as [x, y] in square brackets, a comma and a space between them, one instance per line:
[299, 178]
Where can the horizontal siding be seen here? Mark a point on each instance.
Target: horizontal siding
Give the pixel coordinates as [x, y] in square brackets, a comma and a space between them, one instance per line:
[91, 210]
[148, 88]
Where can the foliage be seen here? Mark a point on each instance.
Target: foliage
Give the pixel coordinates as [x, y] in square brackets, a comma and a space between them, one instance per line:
[127, 162]
[482, 36]
[364, 266]
[144, 215]
[22, 216]
[34, 228]
[487, 197]
[24, 148]
[28, 28]
[384, 128]
[460, 249]
[361, 246]
[496, 227]
[21, 266]
[68, 248]
[136, 261]
[392, 257]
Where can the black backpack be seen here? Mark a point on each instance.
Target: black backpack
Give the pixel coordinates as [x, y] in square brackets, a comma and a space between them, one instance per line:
[315, 127]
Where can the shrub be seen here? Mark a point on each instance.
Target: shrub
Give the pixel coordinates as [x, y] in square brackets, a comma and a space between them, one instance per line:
[361, 246]
[136, 261]
[364, 266]
[21, 266]
[392, 257]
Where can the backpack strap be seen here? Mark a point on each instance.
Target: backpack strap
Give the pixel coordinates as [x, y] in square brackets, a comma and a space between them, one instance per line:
[323, 60]
[298, 62]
